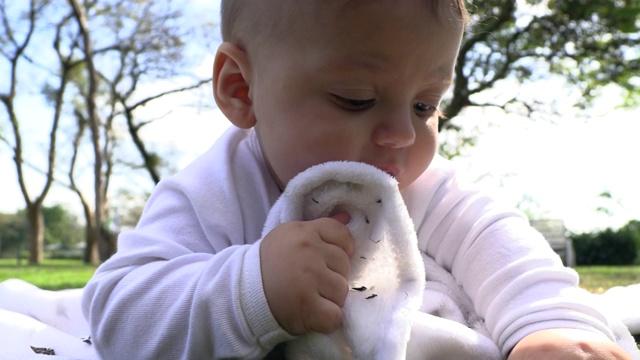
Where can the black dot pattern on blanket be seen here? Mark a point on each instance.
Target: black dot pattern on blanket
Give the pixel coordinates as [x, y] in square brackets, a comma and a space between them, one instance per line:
[43, 350]
[386, 278]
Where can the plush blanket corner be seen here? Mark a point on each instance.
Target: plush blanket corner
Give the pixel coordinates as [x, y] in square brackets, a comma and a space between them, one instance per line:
[387, 275]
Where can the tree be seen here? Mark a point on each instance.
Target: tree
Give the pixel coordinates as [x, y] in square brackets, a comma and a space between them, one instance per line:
[12, 230]
[589, 44]
[80, 15]
[14, 46]
[128, 207]
[632, 231]
[106, 51]
[61, 227]
[142, 44]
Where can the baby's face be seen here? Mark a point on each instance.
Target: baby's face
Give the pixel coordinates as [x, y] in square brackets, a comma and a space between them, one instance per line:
[359, 81]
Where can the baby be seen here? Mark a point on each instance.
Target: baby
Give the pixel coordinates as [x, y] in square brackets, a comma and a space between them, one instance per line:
[307, 82]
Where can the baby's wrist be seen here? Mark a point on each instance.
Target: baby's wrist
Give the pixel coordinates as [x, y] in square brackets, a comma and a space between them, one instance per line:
[567, 344]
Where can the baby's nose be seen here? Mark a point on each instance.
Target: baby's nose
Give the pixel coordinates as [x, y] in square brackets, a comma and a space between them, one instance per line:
[396, 131]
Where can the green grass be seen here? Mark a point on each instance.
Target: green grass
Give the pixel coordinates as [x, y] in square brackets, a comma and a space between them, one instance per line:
[598, 279]
[51, 275]
[64, 274]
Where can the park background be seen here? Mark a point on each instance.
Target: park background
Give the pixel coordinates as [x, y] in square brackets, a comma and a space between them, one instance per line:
[543, 112]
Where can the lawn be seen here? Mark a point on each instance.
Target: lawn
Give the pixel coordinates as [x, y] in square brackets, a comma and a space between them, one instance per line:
[64, 274]
[598, 279]
[51, 275]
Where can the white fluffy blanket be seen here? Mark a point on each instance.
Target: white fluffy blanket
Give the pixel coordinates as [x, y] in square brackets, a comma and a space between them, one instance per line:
[36, 323]
[387, 274]
[431, 317]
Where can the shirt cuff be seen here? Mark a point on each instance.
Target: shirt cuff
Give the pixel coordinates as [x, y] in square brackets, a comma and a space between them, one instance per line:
[254, 303]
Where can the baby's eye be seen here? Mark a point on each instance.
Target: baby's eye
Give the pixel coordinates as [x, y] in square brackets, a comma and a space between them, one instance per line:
[354, 104]
[424, 110]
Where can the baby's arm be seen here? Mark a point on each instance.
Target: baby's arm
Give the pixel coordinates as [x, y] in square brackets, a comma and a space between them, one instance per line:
[508, 269]
[304, 272]
[184, 284]
[567, 344]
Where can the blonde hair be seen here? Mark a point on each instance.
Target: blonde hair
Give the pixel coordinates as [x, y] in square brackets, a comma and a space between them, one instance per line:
[243, 21]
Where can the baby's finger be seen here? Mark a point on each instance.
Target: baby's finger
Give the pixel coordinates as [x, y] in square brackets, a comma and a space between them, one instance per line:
[335, 234]
[326, 318]
[333, 287]
[337, 259]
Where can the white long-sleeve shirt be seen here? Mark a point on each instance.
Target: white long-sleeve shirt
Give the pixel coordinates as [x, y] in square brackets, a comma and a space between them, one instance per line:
[186, 282]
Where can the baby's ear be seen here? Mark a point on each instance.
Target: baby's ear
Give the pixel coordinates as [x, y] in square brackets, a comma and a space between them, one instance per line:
[231, 76]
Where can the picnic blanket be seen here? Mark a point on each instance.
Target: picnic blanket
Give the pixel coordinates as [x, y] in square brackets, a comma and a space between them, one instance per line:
[37, 323]
[418, 300]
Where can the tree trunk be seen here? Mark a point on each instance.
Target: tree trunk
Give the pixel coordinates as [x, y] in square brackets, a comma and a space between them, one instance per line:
[94, 125]
[91, 254]
[36, 233]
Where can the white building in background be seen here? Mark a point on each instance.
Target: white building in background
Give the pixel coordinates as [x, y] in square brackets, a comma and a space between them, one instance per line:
[556, 234]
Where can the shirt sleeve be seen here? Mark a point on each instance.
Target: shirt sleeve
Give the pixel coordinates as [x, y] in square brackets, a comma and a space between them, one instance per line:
[515, 280]
[186, 282]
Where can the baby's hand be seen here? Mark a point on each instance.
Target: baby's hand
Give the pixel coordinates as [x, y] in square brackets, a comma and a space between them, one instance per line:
[304, 271]
[567, 344]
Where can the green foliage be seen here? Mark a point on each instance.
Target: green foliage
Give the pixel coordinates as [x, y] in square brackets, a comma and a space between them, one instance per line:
[621, 15]
[61, 227]
[12, 232]
[601, 38]
[591, 44]
[632, 231]
[609, 247]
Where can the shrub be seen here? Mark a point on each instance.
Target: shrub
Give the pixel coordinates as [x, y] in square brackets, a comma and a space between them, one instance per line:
[608, 247]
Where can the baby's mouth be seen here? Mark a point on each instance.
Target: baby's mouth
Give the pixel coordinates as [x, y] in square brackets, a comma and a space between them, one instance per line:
[391, 170]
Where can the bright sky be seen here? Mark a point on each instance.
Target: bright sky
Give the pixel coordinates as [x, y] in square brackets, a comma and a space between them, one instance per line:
[559, 170]
[551, 169]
